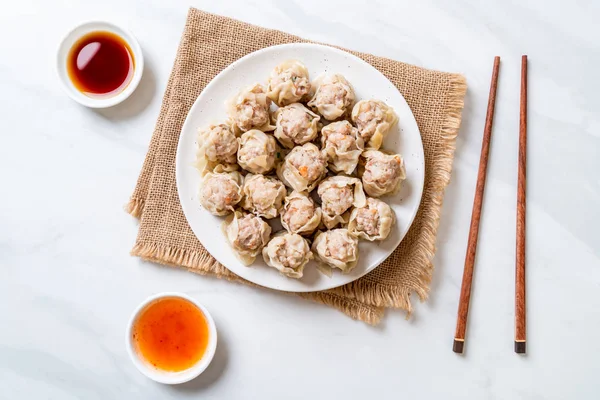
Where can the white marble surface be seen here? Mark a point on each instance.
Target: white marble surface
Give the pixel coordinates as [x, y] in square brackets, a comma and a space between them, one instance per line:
[68, 284]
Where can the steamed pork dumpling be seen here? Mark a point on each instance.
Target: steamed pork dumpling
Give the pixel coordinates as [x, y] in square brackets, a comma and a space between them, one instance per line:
[288, 83]
[303, 168]
[383, 173]
[337, 249]
[220, 192]
[300, 214]
[247, 234]
[373, 221]
[338, 194]
[288, 253]
[217, 145]
[333, 98]
[342, 145]
[257, 151]
[295, 124]
[263, 195]
[373, 118]
[249, 109]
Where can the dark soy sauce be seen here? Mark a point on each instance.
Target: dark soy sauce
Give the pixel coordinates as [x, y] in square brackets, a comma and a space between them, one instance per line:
[100, 64]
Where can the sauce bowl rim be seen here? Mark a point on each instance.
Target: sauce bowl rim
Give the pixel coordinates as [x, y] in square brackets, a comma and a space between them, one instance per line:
[167, 377]
[76, 34]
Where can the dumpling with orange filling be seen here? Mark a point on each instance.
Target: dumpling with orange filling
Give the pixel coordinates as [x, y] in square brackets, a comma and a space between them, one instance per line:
[300, 214]
[220, 192]
[303, 168]
[382, 173]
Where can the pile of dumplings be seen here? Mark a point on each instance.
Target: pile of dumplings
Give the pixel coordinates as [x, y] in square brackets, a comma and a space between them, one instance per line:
[314, 163]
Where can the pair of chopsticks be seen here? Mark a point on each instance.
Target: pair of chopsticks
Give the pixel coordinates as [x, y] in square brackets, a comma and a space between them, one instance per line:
[465, 290]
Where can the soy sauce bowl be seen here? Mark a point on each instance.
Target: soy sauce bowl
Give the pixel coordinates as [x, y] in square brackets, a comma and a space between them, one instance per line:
[168, 377]
[71, 40]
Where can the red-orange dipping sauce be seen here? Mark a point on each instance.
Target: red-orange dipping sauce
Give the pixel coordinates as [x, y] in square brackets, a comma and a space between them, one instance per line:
[100, 63]
[171, 334]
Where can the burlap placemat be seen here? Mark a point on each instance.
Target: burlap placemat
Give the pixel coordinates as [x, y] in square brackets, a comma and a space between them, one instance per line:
[208, 45]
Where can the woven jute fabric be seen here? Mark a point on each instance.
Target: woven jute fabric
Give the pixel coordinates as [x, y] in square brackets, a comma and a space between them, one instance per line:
[208, 45]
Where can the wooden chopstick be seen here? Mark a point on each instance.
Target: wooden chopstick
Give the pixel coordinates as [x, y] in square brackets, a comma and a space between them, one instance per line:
[465, 290]
[520, 312]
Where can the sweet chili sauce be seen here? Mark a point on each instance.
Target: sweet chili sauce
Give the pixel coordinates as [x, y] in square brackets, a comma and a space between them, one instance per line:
[171, 334]
[100, 63]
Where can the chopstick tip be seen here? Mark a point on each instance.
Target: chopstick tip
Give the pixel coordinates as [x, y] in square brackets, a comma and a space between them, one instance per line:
[458, 346]
[520, 347]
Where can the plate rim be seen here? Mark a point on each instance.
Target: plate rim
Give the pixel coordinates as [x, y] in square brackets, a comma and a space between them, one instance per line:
[233, 65]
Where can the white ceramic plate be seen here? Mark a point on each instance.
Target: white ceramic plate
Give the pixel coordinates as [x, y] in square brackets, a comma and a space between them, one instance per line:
[256, 67]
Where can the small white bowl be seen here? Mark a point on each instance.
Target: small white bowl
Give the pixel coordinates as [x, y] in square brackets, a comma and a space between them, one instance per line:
[63, 53]
[171, 378]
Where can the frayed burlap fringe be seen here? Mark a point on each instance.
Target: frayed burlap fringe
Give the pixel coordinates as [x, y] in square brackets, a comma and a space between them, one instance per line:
[135, 207]
[199, 263]
[353, 309]
[206, 265]
[378, 295]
